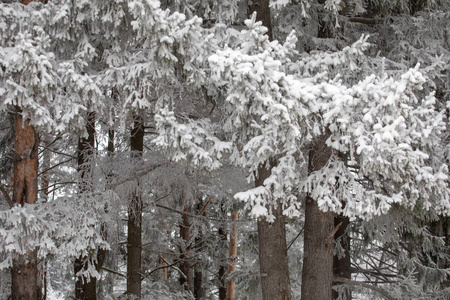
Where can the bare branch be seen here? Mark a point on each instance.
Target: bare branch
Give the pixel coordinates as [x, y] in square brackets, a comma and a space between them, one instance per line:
[7, 198]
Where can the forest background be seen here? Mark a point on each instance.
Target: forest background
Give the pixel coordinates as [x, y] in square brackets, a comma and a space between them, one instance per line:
[199, 150]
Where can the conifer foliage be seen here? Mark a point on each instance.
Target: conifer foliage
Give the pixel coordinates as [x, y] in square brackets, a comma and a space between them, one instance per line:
[224, 114]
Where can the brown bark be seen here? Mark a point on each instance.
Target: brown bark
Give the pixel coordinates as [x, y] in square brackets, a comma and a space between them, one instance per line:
[317, 275]
[341, 266]
[273, 256]
[85, 288]
[232, 256]
[134, 239]
[24, 273]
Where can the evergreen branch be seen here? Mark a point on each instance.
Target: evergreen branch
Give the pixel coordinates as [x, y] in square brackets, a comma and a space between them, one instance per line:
[114, 272]
[364, 285]
[58, 152]
[51, 143]
[137, 175]
[361, 20]
[296, 237]
[55, 184]
[172, 265]
[204, 207]
[52, 167]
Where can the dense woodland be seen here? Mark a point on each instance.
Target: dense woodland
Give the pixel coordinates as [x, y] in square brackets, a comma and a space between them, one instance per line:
[234, 149]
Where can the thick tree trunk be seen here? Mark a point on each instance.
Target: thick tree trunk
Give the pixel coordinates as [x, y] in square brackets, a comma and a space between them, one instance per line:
[341, 266]
[317, 275]
[232, 256]
[273, 256]
[134, 241]
[273, 259]
[85, 288]
[24, 273]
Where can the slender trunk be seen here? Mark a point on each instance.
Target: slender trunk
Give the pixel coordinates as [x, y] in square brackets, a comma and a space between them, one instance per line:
[106, 285]
[341, 265]
[85, 288]
[199, 291]
[232, 256]
[317, 275]
[165, 274]
[45, 182]
[273, 259]
[222, 268]
[24, 273]
[185, 257]
[134, 242]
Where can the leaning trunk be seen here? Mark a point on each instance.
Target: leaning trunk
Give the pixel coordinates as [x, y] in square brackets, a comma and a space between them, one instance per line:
[24, 273]
[134, 242]
[317, 275]
[85, 288]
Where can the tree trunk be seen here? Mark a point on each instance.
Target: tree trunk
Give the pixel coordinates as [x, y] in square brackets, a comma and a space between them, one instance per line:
[232, 256]
[186, 279]
[273, 259]
[273, 256]
[199, 291]
[45, 182]
[222, 268]
[134, 241]
[261, 7]
[317, 275]
[85, 288]
[341, 266]
[24, 273]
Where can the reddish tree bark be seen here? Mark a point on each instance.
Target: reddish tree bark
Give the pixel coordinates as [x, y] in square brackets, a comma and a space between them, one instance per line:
[24, 273]
[232, 256]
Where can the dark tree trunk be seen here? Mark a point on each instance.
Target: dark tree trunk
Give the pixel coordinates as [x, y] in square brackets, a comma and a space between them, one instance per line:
[134, 242]
[24, 273]
[85, 288]
[273, 258]
[186, 279]
[341, 266]
[317, 275]
[261, 7]
[222, 268]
